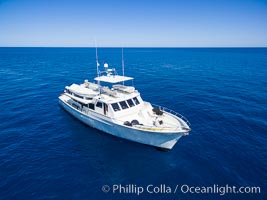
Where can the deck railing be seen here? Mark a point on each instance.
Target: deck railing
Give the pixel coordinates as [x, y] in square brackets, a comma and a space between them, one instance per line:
[172, 112]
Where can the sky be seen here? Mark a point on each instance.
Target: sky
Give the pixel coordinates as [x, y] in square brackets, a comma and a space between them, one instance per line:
[133, 23]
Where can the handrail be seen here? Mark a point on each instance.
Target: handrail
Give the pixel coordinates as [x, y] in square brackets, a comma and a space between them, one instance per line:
[172, 112]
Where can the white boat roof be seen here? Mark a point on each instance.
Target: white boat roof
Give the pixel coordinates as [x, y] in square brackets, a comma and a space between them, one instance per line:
[77, 89]
[113, 78]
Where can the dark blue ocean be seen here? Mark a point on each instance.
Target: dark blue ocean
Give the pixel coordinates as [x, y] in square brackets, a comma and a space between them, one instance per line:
[47, 154]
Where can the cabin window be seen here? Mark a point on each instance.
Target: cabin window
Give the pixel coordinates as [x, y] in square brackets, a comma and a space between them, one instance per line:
[76, 95]
[99, 104]
[88, 98]
[123, 105]
[115, 107]
[136, 101]
[83, 105]
[91, 106]
[75, 104]
[130, 102]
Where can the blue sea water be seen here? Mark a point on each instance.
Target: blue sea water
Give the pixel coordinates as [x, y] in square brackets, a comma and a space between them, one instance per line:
[47, 154]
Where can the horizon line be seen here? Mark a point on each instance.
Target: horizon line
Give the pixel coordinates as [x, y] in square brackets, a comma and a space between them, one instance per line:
[133, 47]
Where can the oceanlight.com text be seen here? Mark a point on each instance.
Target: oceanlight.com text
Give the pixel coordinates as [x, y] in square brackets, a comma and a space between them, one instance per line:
[221, 190]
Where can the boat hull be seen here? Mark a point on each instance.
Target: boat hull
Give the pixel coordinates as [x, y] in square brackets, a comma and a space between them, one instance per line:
[102, 123]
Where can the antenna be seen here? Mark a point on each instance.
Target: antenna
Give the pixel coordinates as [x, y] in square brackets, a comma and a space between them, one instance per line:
[122, 63]
[97, 63]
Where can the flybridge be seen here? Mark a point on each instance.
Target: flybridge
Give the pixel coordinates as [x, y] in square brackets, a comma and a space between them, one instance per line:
[110, 76]
[113, 79]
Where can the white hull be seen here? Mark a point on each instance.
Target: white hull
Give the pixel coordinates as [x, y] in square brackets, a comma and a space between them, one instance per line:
[100, 122]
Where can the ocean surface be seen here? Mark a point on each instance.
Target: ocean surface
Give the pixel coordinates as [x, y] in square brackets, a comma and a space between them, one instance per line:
[47, 154]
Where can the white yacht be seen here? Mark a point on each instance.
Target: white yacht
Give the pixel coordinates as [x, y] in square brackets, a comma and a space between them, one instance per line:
[119, 110]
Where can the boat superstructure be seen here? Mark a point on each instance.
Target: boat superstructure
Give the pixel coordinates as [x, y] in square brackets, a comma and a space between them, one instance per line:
[119, 110]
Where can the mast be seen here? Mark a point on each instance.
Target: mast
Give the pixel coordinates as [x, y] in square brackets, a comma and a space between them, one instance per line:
[122, 63]
[97, 68]
[97, 63]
